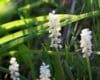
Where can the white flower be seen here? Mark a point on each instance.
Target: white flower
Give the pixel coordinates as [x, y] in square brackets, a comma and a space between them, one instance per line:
[44, 72]
[14, 69]
[85, 42]
[54, 30]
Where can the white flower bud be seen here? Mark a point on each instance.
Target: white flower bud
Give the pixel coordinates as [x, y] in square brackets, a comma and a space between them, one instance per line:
[44, 72]
[85, 42]
[14, 69]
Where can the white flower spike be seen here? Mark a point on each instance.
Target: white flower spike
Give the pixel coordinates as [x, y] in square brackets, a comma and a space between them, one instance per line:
[54, 30]
[44, 72]
[14, 69]
[85, 42]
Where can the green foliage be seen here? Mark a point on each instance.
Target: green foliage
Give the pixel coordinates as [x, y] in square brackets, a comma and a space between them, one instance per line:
[26, 56]
[24, 30]
[58, 70]
[24, 34]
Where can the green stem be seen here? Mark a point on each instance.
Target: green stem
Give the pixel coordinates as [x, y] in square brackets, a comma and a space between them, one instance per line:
[89, 67]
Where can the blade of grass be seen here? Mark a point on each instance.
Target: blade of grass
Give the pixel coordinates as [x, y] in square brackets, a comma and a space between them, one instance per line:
[58, 70]
[25, 53]
[18, 23]
[68, 63]
[68, 19]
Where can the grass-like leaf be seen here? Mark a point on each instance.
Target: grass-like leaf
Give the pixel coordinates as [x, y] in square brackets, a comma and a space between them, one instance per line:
[23, 35]
[26, 55]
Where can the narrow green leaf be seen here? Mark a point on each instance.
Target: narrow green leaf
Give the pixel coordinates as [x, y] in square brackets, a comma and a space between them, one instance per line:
[58, 69]
[68, 64]
[35, 20]
[26, 55]
[2, 69]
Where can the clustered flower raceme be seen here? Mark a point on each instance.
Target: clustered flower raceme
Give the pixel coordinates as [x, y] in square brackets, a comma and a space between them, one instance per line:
[14, 69]
[85, 42]
[44, 72]
[54, 30]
